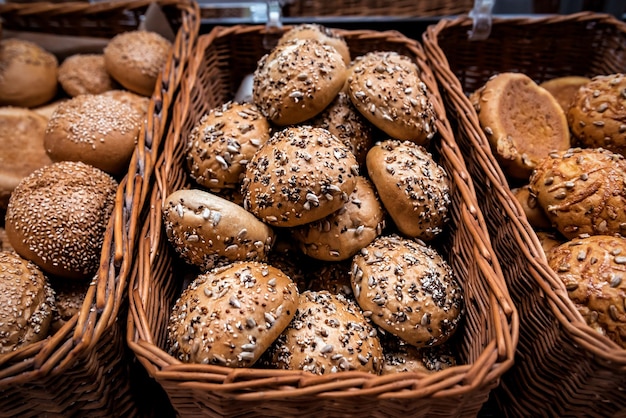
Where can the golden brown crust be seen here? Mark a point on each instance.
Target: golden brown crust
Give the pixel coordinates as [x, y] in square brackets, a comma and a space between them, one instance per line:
[301, 174]
[409, 289]
[84, 74]
[597, 116]
[386, 88]
[549, 240]
[320, 33]
[533, 211]
[229, 316]
[593, 270]
[522, 122]
[137, 102]
[58, 215]
[413, 188]
[402, 357]
[583, 191]
[48, 109]
[563, 89]
[297, 80]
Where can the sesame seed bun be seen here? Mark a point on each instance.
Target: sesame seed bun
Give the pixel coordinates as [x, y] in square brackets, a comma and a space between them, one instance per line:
[137, 102]
[320, 33]
[84, 74]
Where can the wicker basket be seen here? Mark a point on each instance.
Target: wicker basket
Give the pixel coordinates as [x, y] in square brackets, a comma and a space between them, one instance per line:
[562, 368]
[83, 369]
[387, 8]
[486, 344]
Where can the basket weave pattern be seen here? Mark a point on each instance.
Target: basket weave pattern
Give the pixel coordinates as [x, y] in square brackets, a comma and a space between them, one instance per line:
[389, 8]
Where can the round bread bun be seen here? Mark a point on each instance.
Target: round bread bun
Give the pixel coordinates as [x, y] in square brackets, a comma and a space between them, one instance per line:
[320, 33]
[229, 316]
[28, 74]
[137, 102]
[48, 109]
[331, 277]
[328, 334]
[593, 270]
[297, 80]
[522, 121]
[563, 89]
[342, 119]
[21, 151]
[135, 59]
[534, 212]
[344, 232]
[549, 240]
[413, 188]
[223, 141]
[27, 302]
[582, 191]
[69, 297]
[597, 116]
[95, 129]
[386, 88]
[58, 215]
[410, 290]
[84, 74]
[208, 231]
[301, 174]
[402, 357]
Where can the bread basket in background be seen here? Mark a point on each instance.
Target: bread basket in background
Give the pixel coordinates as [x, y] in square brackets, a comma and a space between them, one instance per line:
[386, 8]
[84, 368]
[562, 366]
[486, 342]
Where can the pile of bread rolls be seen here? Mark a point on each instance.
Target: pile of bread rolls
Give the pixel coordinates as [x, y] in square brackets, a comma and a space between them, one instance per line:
[562, 144]
[67, 133]
[312, 221]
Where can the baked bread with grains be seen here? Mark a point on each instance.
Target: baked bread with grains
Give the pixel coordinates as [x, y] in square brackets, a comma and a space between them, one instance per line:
[69, 298]
[137, 102]
[332, 277]
[84, 74]
[563, 89]
[549, 240]
[401, 357]
[534, 212]
[320, 33]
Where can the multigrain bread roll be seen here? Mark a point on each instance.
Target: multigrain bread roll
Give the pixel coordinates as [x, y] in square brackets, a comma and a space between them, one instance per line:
[563, 89]
[28, 74]
[593, 270]
[26, 303]
[222, 143]
[229, 316]
[328, 334]
[414, 189]
[84, 74]
[409, 289]
[402, 357]
[21, 147]
[95, 129]
[301, 174]
[320, 33]
[297, 80]
[69, 298]
[522, 121]
[537, 218]
[331, 277]
[135, 59]
[209, 231]
[58, 215]
[386, 88]
[597, 116]
[582, 191]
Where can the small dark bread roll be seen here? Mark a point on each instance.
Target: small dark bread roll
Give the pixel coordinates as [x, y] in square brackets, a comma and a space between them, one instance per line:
[344, 232]
[135, 59]
[58, 215]
[414, 189]
[534, 212]
[301, 174]
[563, 89]
[320, 33]
[583, 191]
[209, 231]
[522, 121]
[229, 316]
[386, 88]
[70, 295]
[332, 277]
[597, 116]
[328, 334]
[409, 289]
[84, 74]
[223, 142]
[27, 303]
[402, 357]
[28, 74]
[593, 270]
[297, 80]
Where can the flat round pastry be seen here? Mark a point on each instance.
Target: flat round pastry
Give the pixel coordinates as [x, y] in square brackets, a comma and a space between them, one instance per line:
[522, 121]
[28, 74]
[84, 74]
[563, 89]
[301, 174]
[409, 289]
[593, 270]
[537, 218]
[229, 316]
[222, 143]
[386, 88]
[582, 191]
[297, 80]
[320, 33]
[597, 116]
[21, 147]
[414, 189]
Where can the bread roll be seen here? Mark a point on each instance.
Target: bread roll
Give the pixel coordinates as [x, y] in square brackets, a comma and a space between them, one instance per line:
[137, 102]
[402, 357]
[533, 211]
[84, 74]
[332, 277]
[563, 89]
[320, 33]
[549, 240]
[48, 109]
[69, 298]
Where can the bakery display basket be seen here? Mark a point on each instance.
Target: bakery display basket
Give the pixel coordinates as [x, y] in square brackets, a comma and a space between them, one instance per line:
[369, 8]
[562, 366]
[83, 369]
[486, 342]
